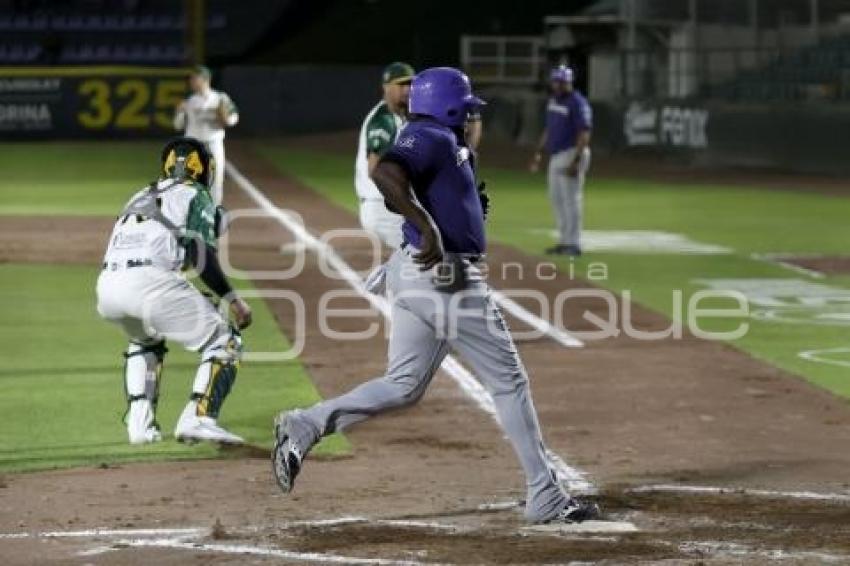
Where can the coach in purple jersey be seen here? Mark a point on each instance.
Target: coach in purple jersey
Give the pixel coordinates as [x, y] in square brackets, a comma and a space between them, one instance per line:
[566, 139]
[439, 300]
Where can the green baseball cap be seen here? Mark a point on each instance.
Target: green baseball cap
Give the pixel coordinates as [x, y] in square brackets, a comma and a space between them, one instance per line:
[202, 71]
[398, 73]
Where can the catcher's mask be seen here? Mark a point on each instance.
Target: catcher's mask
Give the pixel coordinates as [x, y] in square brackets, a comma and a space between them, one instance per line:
[187, 158]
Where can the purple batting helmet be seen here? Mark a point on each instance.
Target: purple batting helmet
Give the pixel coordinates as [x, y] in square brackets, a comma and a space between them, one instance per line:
[443, 93]
[561, 73]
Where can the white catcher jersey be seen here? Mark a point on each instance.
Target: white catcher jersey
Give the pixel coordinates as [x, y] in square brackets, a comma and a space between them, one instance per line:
[377, 134]
[188, 206]
[200, 119]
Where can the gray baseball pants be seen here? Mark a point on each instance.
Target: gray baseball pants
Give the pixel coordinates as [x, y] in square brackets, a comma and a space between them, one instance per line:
[567, 194]
[425, 324]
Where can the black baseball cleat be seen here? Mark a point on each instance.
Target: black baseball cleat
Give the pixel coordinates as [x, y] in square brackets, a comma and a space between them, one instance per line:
[576, 511]
[286, 455]
[564, 249]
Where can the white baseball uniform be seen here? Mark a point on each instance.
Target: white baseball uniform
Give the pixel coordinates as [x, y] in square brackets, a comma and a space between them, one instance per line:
[200, 121]
[142, 289]
[377, 134]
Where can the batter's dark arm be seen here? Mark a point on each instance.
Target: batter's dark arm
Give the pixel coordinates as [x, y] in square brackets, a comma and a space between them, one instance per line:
[394, 183]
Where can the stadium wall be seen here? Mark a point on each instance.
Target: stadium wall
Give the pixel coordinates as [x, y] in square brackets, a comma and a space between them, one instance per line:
[136, 102]
[804, 138]
[808, 138]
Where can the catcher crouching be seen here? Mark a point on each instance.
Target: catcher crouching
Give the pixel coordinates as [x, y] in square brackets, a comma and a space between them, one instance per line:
[166, 228]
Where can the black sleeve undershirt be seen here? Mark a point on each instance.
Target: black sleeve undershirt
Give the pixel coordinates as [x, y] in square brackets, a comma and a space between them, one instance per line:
[212, 275]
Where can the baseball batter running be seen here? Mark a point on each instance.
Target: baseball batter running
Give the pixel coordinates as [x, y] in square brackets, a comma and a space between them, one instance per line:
[439, 300]
[566, 139]
[377, 134]
[204, 116]
[166, 227]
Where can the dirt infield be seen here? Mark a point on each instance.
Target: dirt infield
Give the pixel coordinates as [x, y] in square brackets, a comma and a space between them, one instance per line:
[438, 483]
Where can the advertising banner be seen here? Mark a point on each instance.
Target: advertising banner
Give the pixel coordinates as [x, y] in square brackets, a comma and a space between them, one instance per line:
[85, 102]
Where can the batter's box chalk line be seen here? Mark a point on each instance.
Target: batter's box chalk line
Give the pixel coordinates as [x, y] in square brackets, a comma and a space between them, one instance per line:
[741, 491]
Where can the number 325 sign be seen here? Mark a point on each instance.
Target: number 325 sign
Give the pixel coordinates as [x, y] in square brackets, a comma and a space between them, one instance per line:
[137, 103]
[82, 102]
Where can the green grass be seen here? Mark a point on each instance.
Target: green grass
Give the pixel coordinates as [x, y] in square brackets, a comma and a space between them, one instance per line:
[61, 385]
[79, 178]
[748, 220]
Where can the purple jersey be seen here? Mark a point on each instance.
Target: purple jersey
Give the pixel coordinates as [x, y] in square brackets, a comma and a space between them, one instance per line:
[444, 183]
[566, 117]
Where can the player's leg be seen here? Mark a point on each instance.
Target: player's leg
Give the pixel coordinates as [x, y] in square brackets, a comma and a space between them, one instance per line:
[575, 203]
[414, 356]
[118, 301]
[557, 180]
[484, 341]
[216, 147]
[180, 313]
[142, 374]
[213, 381]
[415, 353]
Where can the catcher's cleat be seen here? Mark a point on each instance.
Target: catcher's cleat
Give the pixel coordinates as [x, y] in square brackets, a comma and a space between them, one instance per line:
[192, 428]
[141, 426]
[576, 511]
[286, 455]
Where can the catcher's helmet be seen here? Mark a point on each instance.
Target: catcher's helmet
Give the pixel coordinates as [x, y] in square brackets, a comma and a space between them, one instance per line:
[561, 73]
[187, 158]
[445, 94]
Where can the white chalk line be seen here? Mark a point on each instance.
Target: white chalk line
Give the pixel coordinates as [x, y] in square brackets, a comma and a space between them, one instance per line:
[574, 479]
[818, 356]
[583, 527]
[541, 325]
[244, 549]
[773, 259]
[94, 533]
[766, 493]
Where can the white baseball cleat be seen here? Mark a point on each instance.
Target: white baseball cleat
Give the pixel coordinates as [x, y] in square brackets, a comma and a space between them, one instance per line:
[191, 428]
[141, 428]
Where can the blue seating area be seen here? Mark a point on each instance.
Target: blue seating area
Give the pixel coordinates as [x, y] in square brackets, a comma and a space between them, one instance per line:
[85, 32]
[101, 23]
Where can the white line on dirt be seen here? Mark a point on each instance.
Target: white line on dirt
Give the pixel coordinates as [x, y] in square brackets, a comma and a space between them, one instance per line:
[246, 549]
[583, 527]
[574, 479]
[774, 259]
[542, 325]
[94, 533]
[714, 490]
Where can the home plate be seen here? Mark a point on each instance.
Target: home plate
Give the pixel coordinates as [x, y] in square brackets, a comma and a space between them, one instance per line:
[584, 527]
